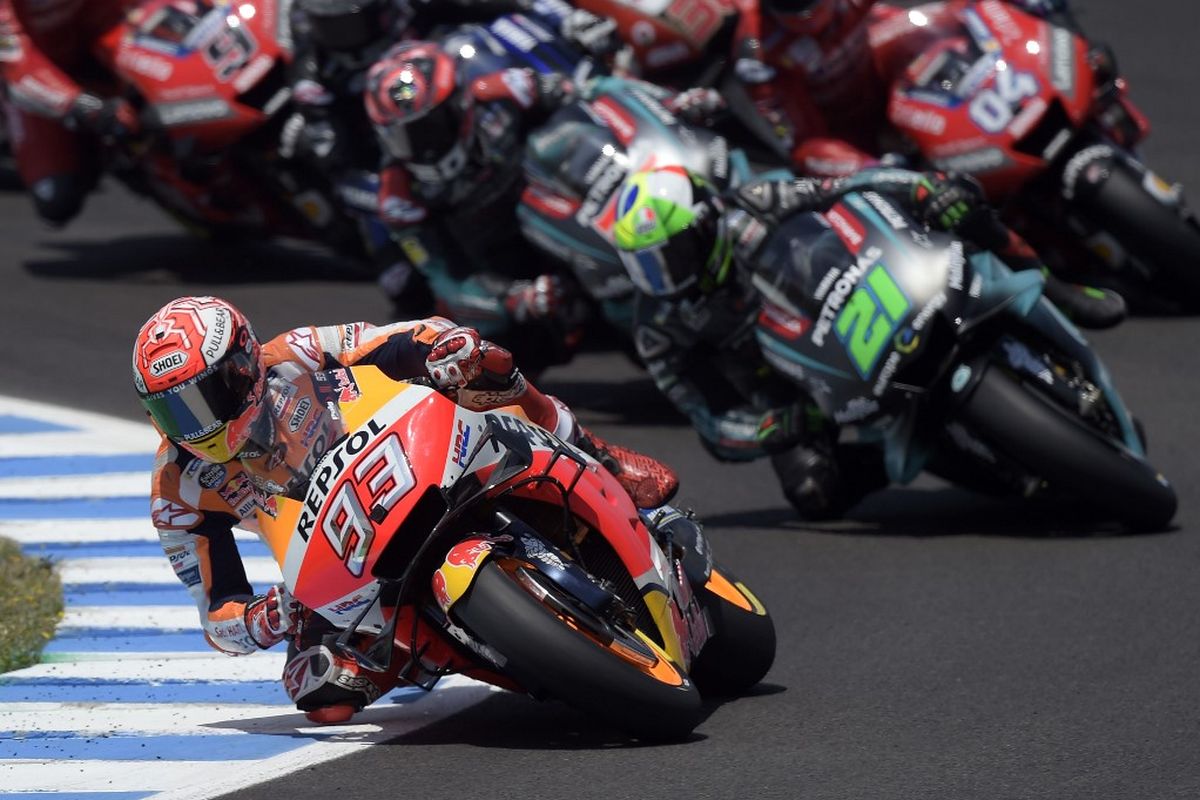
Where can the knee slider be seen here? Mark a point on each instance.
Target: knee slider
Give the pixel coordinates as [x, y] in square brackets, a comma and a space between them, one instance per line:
[316, 677]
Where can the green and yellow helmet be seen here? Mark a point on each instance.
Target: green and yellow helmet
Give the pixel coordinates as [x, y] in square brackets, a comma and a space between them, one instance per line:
[667, 233]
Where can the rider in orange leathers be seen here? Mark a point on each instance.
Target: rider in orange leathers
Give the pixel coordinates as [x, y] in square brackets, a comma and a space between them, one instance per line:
[217, 395]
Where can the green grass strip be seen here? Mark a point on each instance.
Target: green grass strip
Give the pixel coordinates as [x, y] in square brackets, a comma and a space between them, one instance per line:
[30, 606]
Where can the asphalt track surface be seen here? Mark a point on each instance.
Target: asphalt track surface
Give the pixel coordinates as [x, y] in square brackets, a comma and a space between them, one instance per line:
[935, 645]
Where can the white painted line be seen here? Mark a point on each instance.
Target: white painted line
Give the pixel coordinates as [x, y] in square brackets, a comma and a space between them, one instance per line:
[74, 443]
[161, 618]
[89, 719]
[198, 780]
[112, 484]
[91, 531]
[162, 667]
[189, 719]
[150, 569]
[76, 418]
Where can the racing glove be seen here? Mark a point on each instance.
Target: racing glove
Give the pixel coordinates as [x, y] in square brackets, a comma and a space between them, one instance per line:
[698, 105]
[948, 200]
[554, 90]
[239, 626]
[782, 428]
[540, 298]
[596, 36]
[110, 118]
[473, 371]
[271, 617]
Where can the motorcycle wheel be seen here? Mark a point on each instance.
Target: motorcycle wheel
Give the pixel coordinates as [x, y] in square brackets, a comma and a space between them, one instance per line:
[1155, 233]
[1062, 450]
[742, 647]
[613, 674]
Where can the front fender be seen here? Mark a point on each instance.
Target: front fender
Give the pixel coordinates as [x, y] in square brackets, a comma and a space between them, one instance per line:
[456, 574]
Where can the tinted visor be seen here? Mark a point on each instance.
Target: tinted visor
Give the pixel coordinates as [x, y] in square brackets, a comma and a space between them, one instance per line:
[428, 138]
[345, 26]
[792, 6]
[671, 268]
[197, 408]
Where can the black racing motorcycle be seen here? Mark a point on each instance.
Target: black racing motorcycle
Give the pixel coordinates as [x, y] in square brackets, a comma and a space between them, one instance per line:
[950, 361]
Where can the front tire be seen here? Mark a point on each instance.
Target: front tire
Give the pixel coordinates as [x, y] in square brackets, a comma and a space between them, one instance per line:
[1062, 450]
[742, 648]
[558, 655]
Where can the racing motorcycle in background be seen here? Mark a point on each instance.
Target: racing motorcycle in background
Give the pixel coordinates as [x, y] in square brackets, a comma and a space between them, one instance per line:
[577, 161]
[439, 540]
[1044, 122]
[668, 38]
[938, 353]
[1041, 118]
[210, 81]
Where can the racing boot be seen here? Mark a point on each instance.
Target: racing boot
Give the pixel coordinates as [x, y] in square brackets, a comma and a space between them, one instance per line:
[648, 481]
[823, 481]
[1086, 306]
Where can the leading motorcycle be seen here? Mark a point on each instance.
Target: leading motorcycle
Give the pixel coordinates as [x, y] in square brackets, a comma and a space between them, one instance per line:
[1044, 121]
[434, 539]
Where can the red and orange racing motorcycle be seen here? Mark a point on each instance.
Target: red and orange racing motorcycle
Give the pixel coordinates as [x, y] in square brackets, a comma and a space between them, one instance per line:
[440, 540]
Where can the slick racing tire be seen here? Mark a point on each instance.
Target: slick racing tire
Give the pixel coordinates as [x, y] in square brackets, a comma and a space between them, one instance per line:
[563, 654]
[1156, 233]
[742, 647]
[1061, 449]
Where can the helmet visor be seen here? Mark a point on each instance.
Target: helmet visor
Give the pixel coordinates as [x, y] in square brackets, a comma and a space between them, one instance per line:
[792, 6]
[671, 268]
[344, 26]
[196, 411]
[428, 138]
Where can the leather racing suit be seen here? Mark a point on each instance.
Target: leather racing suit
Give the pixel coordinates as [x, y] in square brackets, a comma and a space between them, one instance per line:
[44, 44]
[462, 233]
[820, 90]
[702, 353]
[195, 504]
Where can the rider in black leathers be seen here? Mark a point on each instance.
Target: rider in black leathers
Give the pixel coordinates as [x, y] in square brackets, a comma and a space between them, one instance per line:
[694, 326]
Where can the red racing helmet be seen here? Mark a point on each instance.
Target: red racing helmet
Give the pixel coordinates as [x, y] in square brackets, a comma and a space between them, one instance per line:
[419, 108]
[198, 370]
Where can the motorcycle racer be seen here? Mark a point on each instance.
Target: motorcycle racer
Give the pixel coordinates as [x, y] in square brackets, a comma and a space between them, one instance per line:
[808, 66]
[450, 181]
[692, 251]
[218, 396]
[51, 117]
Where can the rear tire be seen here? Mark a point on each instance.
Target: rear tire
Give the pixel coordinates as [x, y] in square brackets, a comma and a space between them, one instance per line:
[544, 650]
[1062, 450]
[742, 648]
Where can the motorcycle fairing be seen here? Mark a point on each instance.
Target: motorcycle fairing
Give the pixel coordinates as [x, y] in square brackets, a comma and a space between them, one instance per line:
[996, 92]
[210, 77]
[865, 283]
[406, 441]
[576, 163]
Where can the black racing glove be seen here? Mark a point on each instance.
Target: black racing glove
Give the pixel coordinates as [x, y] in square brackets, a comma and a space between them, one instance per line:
[554, 90]
[110, 118]
[948, 201]
[780, 429]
